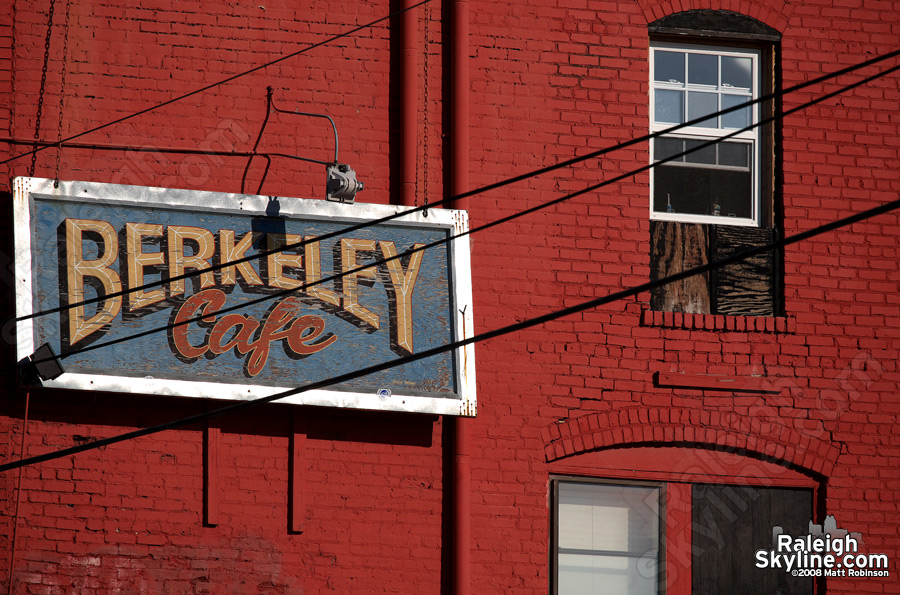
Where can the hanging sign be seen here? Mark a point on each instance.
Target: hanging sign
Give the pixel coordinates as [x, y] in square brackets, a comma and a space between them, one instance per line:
[232, 296]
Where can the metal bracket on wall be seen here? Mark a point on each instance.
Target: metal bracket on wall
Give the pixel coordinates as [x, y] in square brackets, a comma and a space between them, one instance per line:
[296, 501]
[211, 435]
[341, 182]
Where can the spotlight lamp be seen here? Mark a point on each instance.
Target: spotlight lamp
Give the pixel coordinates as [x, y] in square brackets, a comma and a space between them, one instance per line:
[341, 184]
[42, 365]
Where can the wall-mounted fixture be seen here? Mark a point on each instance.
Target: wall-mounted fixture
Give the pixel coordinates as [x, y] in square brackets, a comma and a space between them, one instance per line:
[341, 184]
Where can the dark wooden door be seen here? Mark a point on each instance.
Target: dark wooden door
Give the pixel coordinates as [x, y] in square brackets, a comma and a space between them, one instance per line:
[730, 523]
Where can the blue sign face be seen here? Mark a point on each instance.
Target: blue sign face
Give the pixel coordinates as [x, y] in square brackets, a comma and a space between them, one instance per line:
[274, 317]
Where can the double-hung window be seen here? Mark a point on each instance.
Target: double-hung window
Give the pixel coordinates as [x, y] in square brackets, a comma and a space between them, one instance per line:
[713, 190]
[607, 538]
[674, 536]
[708, 171]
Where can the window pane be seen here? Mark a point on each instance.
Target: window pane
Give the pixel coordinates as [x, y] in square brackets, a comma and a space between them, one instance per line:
[703, 69]
[734, 154]
[704, 155]
[603, 575]
[702, 104]
[607, 539]
[737, 72]
[666, 147]
[703, 190]
[738, 118]
[669, 106]
[589, 524]
[668, 66]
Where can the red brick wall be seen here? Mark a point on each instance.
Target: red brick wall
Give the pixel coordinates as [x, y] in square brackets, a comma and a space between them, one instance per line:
[578, 78]
[6, 75]
[129, 518]
[548, 81]
[122, 60]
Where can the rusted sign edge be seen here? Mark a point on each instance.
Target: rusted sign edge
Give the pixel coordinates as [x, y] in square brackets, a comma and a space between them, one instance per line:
[120, 195]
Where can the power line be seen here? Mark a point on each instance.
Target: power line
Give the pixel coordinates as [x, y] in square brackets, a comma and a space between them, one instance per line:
[532, 322]
[483, 227]
[221, 82]
[495, 185]
[507, 329]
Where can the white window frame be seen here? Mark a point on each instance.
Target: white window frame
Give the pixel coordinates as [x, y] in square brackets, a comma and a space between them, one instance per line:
[657, 562]
[672, 558]
[705, 133]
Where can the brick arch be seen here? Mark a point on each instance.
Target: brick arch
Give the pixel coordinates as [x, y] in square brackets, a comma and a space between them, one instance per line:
[673, 426]
[775, 14]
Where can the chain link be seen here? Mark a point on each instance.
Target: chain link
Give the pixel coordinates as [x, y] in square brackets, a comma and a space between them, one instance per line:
[427, 10]
[40, 106]
[62, 89]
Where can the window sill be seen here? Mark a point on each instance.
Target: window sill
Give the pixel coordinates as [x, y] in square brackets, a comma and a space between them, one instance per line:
[704, 219]
[719, 322]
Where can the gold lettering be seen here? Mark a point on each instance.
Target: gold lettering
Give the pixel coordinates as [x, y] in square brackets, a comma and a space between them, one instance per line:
[77, 268]
[314, 273]
[179, 261]
[401, 291]
[229, 252]
[278, 261]
[138, 260]
[350, 303]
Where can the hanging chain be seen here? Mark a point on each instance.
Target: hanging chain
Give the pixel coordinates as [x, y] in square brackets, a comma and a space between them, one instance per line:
[425, 125]
[40, 106]
[62, 90]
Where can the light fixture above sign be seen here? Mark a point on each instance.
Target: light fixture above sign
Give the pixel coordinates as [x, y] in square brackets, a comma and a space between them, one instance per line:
[199, 295]
[341, 185]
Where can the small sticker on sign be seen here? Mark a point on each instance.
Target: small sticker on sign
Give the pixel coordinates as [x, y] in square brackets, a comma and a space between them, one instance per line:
[384, 393]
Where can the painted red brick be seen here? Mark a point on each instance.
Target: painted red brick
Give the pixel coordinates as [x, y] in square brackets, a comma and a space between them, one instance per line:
[548, 81]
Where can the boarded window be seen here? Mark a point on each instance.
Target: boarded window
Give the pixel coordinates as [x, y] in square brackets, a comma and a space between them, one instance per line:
[710, 202]
[745, 288]
[729, 523]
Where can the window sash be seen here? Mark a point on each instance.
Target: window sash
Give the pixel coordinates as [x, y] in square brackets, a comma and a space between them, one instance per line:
[689, 84]
[607, 534]
[720, 89]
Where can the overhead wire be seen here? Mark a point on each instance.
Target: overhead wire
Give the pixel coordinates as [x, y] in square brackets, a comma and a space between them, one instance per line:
[518, 326]
[482, 189]
[226, 80]
[442, 241]
[609, 298]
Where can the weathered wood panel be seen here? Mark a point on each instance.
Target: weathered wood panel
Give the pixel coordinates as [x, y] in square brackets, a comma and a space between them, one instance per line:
[676, 247]
[730, 523]
[745, 288]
